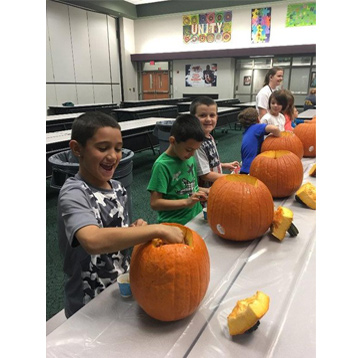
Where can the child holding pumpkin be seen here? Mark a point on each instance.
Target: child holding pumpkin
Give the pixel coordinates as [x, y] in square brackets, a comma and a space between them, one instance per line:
[277, 103]
[93, 222]
[173, 185]
[209, 166]
[253, 136]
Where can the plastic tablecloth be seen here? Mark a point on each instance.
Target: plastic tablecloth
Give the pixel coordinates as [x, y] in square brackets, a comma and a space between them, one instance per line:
[111, 326]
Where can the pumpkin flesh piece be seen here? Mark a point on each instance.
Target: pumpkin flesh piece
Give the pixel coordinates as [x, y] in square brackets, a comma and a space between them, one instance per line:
[282, 221]
[247, 312]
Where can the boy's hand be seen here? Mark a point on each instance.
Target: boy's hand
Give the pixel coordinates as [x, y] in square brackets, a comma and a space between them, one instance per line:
[198, 196]
[139, 222]
[172, 234]
[231, 166]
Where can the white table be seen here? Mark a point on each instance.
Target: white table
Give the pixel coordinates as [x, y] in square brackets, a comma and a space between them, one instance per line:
[110, 326]
[124, 114]
[308, 114]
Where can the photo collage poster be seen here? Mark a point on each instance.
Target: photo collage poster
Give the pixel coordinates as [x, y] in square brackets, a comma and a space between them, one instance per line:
[201, 75]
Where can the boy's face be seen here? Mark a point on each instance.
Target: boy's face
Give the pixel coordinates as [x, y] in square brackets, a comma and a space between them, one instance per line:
[182, 150]
[207, 115]
[100, 156]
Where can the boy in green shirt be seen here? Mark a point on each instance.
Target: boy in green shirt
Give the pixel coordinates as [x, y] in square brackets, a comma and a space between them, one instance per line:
[173, 185]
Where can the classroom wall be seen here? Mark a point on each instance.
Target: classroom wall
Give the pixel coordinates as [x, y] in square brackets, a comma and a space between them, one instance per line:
[82, 57]
[165, 34]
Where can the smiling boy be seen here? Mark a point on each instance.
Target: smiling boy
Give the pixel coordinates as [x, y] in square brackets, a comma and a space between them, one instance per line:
[93, 221]
[209, 166]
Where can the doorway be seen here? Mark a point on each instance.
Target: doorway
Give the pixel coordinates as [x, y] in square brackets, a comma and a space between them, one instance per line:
[155, 84]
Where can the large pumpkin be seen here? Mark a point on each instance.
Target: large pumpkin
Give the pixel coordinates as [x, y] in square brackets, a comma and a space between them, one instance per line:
[307, 133]
[240, 207]
[280, 170]
[287, 141]
[170, 280]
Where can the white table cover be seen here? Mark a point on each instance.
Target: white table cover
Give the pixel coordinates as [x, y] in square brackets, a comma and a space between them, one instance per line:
[110, 326]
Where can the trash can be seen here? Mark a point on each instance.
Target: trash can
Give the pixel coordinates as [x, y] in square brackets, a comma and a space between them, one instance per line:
[162, 132]
[65, 164]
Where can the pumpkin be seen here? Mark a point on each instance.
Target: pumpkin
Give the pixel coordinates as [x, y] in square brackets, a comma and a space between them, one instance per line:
[239, 208]
[312, 172]
[282, 223]
[307, 134]
[170, 280]
[307, 195]
[247, 313]
[280, 170]
[287, 141]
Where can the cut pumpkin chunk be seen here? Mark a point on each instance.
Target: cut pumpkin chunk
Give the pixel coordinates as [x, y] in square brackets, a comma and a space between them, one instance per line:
[282, 223]
[307, 195]
[312, 172]
[247, 313]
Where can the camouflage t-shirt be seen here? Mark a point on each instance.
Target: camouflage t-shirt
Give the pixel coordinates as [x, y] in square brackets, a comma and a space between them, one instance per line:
[81, 205]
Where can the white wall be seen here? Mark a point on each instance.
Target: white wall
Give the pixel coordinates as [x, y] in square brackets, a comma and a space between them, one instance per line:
[82, 56]
[165, 33]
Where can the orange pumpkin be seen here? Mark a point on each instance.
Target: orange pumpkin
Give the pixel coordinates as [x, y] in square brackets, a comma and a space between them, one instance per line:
[287, 141]
[280, 170]
[170, 280]
[307, 133]
[240, 207]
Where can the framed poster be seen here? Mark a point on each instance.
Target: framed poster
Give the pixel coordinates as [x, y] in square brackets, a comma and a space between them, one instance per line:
[201, 75]
[247, 80]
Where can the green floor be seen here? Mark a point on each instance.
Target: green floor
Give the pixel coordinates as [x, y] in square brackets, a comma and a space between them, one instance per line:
[229, 145]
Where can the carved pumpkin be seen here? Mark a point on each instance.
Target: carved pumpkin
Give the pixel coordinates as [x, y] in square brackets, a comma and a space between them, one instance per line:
[280, 170]
[240, 207]
[307, 133]
[287, 141]
[170, 280]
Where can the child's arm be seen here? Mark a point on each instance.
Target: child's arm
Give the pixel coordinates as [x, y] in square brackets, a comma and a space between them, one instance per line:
[97, 240]
[273, 130]
[230, 166]
[157, 202]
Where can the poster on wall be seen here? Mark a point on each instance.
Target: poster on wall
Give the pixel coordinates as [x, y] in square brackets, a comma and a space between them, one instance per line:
[260, 25]
[201, 75]
[209, 27]
[301, 14]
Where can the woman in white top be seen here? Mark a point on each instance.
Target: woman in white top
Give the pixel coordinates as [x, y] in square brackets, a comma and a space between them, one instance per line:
[272, 80]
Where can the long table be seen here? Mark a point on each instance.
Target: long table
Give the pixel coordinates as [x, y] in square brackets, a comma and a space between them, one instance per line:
[110, 326]
[126, 114]
[60, 109]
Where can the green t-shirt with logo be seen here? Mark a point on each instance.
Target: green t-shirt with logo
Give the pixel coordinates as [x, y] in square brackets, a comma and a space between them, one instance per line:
[175, 179]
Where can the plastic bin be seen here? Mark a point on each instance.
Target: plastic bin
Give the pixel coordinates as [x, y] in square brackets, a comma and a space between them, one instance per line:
[65, 164]
[162, 132]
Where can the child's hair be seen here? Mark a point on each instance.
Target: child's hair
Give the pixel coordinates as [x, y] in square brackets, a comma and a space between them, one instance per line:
[187, 126]
[248, 117]
[271, 72]
[280, 97]
[208, 101]
[290, 103]
[85, 126]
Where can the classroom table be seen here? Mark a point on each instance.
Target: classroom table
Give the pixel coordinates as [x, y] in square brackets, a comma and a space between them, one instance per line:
[58, 122]
[111, 326]
[149, 102]
[308, 114]
[103, 107]
[126, 114]
[244, 105]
